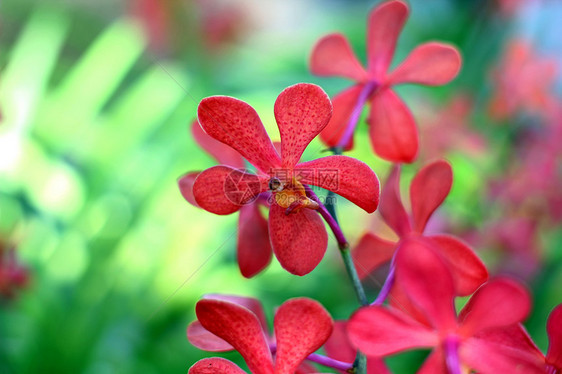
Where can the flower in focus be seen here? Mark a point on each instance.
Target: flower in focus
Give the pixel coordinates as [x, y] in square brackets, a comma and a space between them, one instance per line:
[428, 190]
[301, 326]
[392, 127]
[426, 318]
[253, 248]
[296, 231]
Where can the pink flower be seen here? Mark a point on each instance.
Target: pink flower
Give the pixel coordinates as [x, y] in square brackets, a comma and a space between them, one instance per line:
[296, 231]
[392, 127]
[428, 190]
[13, 276]
[523, 81]
[553, 357]
[427, 319]
[301, 327]
[339, 348]
[253, 248]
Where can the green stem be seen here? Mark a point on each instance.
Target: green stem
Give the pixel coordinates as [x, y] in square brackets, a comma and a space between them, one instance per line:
[360, 364]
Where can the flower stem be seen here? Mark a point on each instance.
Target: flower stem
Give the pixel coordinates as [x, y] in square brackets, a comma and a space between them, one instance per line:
[343, 245]
[368, 89]
[322, 360]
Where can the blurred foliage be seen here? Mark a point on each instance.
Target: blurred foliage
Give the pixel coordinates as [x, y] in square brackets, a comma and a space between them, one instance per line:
[94, 135]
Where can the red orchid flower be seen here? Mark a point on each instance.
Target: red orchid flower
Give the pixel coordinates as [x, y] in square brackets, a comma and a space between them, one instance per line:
[339, 348]
[392, 127]
[523, 82]
[458, 342]
[253, 248]
[301, 327]
[428, 190]
[296, 231]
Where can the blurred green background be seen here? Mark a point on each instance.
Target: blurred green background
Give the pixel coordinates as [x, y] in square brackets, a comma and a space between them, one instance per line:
[96, 100]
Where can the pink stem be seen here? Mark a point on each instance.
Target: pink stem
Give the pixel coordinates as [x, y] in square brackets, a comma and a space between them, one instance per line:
[368, 89]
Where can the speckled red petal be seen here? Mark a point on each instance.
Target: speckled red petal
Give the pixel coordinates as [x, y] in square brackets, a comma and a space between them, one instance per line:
[332, 56]
[301, 327]
[215, 365]
[224, 190]
[299, 240]
[239, 327]
[301, 112]
[346, 176]
[236, 124]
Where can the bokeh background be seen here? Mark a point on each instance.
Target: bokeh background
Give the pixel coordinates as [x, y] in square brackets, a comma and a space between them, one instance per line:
[101, 259]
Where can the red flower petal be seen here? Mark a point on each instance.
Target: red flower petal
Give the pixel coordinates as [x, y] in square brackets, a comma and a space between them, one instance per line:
[514, 336]
[224, 190]
[434, 363]
[185, 183]
[392, 128]
[206, 340]
[384, 26]
[301, 327]
[430, 64]
[332, 55]
[301, 112]
[427, 281]
[500, 302]
[239, 327]
[491, 358]
[378, 331]
[215, 365]
[391, 207]
[370, 253]
[235, 123]
[346, 176]
[428, 190]
[250, 303]
[339, 348]
[469, 272]
[343, 104]
[299, 239]
[554, 330]
[221, 152]
[254, 248]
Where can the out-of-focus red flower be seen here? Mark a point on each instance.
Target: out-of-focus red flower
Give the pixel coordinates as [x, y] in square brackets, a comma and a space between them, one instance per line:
[339, 348]
[428, 190]
[447, 129]
[301, 326]
[297, 233]
[554, 329]
[392, 127]
[522, 82]
[457, 341]
[13, 276]
[253, 248]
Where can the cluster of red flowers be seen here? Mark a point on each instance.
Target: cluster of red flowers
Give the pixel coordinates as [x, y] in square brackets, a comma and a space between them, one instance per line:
[416, 305]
